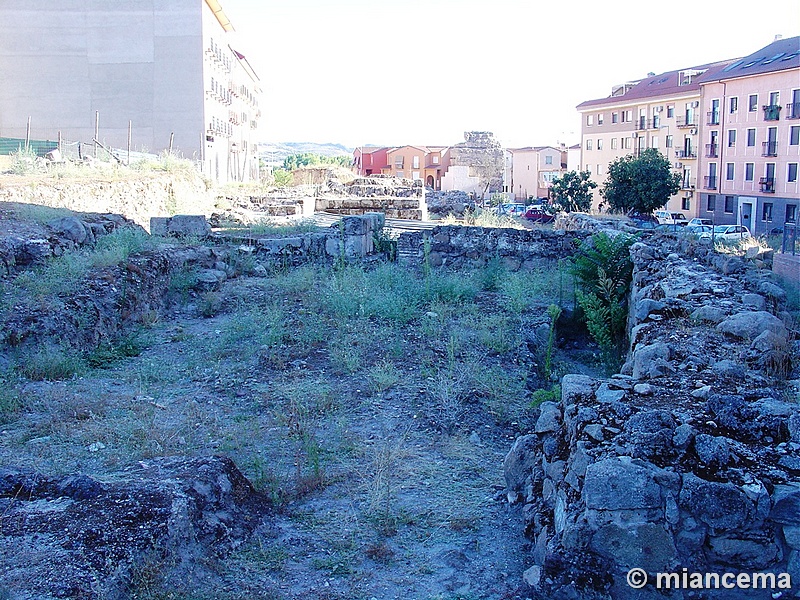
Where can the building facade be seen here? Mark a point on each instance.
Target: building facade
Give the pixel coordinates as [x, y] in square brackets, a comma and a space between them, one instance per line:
[533, 170]
[160, 73]
[751, 140]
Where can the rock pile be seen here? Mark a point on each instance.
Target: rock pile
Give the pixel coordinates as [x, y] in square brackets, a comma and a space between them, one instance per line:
[79, 537]
[442, 204]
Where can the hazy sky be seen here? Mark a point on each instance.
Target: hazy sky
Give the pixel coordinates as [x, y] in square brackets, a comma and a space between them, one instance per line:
[396, 72]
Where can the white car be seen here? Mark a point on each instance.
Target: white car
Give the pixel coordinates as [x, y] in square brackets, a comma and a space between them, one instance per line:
[666, 217]
[697, 221]
[727, 233]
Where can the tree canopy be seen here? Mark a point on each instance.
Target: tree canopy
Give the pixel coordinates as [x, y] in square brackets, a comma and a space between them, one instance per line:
[294, 161]
[572, 191]
[642, 184]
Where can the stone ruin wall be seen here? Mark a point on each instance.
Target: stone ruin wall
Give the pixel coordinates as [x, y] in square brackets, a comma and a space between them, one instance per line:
[689, 458]
[395, 197]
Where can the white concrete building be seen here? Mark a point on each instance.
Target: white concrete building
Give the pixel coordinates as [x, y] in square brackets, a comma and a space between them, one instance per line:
[164, 68]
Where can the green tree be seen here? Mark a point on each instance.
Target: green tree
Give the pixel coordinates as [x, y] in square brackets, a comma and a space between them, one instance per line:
[573, 191]
[642, 184]
[304, 159]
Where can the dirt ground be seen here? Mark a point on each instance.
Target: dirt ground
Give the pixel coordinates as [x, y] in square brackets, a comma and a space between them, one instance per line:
[374, 407]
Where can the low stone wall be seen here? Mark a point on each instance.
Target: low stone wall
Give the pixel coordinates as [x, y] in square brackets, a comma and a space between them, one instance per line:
[787, 266]
[457, 246]
[395, 197]
[688, 459]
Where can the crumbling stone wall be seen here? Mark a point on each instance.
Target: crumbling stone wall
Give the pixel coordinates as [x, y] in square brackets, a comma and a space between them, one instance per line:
[457, 246]
[690, 458]
[484, 158]
[395, 197]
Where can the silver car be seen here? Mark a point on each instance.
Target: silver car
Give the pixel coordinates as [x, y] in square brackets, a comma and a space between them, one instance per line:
[727, 233]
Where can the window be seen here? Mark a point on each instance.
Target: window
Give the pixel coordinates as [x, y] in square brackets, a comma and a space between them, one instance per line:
[668, 141]
[589, 168]
[685, 204]
[654, 141]
[729, 172]
[729, 205]
[600, 119]
[670, 111]
[626, 143]
[614, 117]
[589, 120]
[599, 169]
[766, 212]
[734, 104]
[794, 135]
[749, 171]
[415, 162]
[752, 103]
[711, 202]
[731, 138]
[791, 213]
[588, 144]
[792, 173]
[548, 160]
[751, 138]
[599, 144]
[436, 159]
[613, 143]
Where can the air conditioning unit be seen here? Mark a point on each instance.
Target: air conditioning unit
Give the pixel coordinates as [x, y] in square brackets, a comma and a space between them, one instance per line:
[695, 104]
[635, 134]
[677, 165]
[693, 131]
[659, 109]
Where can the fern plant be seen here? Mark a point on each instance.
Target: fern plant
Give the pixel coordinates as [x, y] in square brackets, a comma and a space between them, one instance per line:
[604, 270]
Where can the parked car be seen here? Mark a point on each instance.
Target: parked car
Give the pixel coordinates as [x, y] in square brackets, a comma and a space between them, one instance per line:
[643, 220]
[671, 218]
[537, 214]
[511, 210]
[698, 221]
[727, 233]
[697, 229]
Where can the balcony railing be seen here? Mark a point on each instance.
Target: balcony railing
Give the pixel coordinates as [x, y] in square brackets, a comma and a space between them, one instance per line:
[712, 150]
[767, 185]
[642, 123]
[772, 112]
[713, 117]
[769, 148]
[793, 110]
[684, 122]
[686, 153]
[710, 182]
[687, 184]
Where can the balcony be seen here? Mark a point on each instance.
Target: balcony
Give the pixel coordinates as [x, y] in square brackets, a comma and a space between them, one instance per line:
[772, 112]
[686, 153]
[769, 148]
[691, 121]
[793, 110]
[642, 123]
[713, 117]
[687, 184]
[710, 182]
[767, 185]
[712, 150]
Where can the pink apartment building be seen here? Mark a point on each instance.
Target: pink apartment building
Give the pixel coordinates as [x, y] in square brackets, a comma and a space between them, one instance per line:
[751, 140]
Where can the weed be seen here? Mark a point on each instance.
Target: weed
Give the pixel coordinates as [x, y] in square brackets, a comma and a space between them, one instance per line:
[492, 274]
[344, 354]
[544, 395]
[382, 376]
[210, 304]
[51, 363]
[182, 282]
[117, 246]
[553, 311]
[109, 352]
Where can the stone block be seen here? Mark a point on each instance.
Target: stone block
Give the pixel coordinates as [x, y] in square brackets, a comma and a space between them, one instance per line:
[749, 324]
[619, 483]
[575, 387]
[648, 546]
[159, 226]
[744, 553]
[786, 504]
[188, 226]
[549, 419]
[722, 506]
[651, 361]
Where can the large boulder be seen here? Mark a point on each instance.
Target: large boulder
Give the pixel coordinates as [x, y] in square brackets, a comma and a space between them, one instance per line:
[748, 325]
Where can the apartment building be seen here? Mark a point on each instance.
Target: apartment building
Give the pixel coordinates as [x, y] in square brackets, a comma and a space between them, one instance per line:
[751, 139]
[162, 71]
[428, 163]
[370, 160]
[533, 170]
[661, 111]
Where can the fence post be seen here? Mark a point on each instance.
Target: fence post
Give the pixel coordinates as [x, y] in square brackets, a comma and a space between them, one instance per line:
[28, 135]
[130, 126]
[59, 142]
[171, 139]
[96, 130]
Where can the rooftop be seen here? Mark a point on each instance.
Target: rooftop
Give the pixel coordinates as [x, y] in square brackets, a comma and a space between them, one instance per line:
[778, 56]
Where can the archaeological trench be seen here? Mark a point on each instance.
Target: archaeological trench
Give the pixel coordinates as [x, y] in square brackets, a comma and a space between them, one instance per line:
[687, 461]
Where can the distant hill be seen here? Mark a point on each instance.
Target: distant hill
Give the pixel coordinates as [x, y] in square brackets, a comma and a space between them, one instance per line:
[276, 152]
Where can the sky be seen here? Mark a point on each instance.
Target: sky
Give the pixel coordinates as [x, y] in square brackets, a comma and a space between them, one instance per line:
[422, 72]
